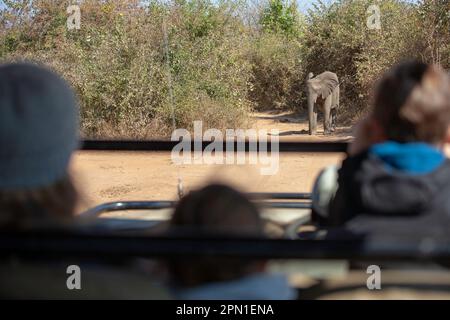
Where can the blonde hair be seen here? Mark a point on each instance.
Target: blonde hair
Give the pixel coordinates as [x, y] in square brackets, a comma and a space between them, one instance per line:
[412, 103]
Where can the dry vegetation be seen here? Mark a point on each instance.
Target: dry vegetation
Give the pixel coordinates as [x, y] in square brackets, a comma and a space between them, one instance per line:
[225, 58]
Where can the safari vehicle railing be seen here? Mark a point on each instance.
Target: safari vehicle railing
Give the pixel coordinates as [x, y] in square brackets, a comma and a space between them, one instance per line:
[155, 205]
[112, 245]
[167, 145]
[109, 245]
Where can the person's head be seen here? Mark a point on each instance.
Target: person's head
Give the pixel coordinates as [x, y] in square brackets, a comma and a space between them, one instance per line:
[38, 133]
[412, 104]
[215, 208]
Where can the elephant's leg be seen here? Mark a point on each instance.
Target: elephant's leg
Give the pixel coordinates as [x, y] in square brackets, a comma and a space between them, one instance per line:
[312, 113]
[333, 119]
[335, 105]
[327, 115]
[315, 121]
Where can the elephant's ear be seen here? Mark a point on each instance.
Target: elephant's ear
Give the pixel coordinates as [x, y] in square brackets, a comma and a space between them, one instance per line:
[316, 86]
[329, 82]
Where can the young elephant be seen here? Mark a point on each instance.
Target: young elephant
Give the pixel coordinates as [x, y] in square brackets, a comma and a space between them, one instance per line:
[322, 90]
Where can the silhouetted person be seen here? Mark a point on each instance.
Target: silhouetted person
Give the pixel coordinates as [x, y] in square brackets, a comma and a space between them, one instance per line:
[218, 208]
[396, 178]
[38, 133]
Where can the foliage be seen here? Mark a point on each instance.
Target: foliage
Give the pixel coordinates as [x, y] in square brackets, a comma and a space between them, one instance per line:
[281, 16]
[277, 73]
[117, 63]
[130, 55]
[339, 40]
[434, 18]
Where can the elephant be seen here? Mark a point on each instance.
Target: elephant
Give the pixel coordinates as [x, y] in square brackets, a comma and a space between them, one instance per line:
[322, 90]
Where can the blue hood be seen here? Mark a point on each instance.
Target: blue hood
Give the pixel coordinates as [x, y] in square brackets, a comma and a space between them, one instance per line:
[261, 286]
[412, 158]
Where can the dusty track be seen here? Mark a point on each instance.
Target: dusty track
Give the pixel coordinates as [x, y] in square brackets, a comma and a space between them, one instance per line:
[110, 176]
[294, 127]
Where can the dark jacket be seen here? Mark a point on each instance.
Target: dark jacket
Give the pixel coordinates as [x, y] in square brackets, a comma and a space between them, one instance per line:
[373, 197]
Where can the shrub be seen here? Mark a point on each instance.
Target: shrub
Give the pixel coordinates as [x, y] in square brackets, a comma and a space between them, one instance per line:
[277, 73]
[118, 66]
[220, 62]
[339, 40]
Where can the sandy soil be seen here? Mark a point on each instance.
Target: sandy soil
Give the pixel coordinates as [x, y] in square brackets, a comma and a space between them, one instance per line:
[111, 176]
[294, 127]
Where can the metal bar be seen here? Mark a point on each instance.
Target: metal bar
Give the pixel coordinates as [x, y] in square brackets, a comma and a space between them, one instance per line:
[280, 195]
[127, 205]
[155, 205]
[167, 145]
[112, 246]
[285, 205]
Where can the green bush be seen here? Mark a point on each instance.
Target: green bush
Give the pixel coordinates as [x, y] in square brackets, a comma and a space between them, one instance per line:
[277, 73]
[277, 58]
[223, 58]
[208, 49]
[281, 16]
[117, 63]
[434, 21]
[339, 40]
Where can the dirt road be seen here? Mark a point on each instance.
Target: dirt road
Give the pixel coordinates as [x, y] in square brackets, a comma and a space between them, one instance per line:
[111, 176]
[108, 176]
[294, 127]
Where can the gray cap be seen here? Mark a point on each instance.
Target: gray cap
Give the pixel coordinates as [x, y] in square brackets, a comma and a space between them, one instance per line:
[38, 126]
